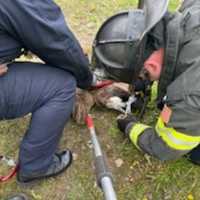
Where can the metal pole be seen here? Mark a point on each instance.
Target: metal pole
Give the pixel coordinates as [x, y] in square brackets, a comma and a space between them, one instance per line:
[107, 187]
[104, 176]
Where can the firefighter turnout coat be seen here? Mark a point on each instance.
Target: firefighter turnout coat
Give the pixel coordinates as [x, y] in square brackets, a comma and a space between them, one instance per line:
[177, 130]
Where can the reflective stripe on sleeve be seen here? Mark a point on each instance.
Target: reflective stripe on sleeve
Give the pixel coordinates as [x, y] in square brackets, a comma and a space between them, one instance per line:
[136, 131]
[174, 139]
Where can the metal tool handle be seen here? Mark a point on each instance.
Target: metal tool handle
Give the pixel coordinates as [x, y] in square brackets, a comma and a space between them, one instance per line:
[104, 176]
[107, 187]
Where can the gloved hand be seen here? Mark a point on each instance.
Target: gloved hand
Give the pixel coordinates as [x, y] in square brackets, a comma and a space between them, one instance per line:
[124, 121]
[83, 104]
[138, 104]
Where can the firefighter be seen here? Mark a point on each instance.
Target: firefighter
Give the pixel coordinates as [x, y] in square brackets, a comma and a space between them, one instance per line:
[162, 46]
[47, 90]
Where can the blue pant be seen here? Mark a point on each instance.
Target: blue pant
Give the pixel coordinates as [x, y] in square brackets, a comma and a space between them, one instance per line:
[46, 92]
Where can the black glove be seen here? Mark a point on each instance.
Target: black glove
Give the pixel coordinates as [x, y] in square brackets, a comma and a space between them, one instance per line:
[138, 104]
[143, 95]
[123, 121]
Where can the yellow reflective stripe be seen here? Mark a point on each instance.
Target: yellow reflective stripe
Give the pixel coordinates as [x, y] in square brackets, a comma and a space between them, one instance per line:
[175, 139]
[136, 131]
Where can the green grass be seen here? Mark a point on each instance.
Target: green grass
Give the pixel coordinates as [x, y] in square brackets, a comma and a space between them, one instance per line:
[140, 177]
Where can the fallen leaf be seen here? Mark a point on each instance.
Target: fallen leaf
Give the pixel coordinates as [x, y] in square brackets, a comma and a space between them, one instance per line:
[35, 196]
[75, 156]
[119, 162]
[190, 197]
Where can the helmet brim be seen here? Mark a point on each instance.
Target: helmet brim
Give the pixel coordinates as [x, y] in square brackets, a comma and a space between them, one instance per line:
[129, 30]
[154, 11]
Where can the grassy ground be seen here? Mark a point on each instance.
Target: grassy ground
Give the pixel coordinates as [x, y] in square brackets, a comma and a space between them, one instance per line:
[139, 177]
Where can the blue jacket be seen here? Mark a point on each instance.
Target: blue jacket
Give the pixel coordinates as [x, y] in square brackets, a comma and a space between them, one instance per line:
[39, 26]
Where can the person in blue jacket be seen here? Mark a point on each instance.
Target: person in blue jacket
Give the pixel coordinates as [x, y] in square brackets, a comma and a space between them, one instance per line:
[46, 90]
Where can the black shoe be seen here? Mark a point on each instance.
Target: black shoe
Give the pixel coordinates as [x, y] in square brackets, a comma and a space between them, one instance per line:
[61, 162]
[18, 197]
